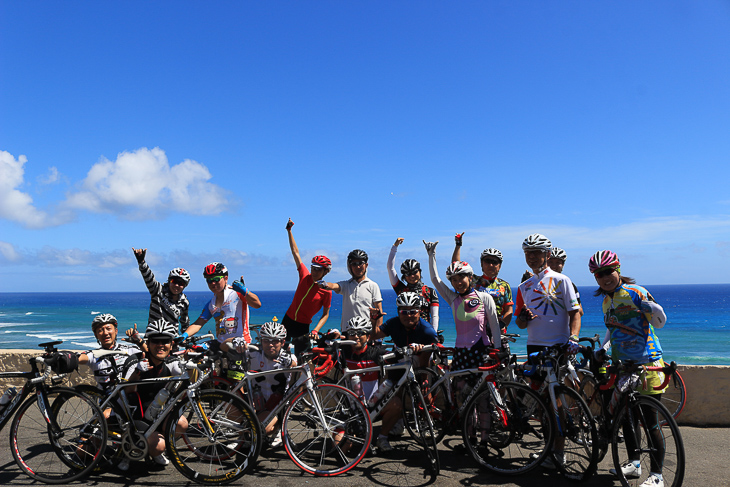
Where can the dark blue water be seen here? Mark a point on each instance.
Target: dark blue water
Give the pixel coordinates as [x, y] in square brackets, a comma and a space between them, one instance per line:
[697, 331]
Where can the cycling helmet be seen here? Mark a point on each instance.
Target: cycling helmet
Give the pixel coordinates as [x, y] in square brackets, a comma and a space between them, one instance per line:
[272, 330]
[458, 268]
[322, 261]
[357, 254]
[537, 242]
[103, 319]
[604, 258]
[359, 325]
[492, 253]
[179, 273]
[408, 299]
[409, 266]
[161, 328]
[215, 269]
[558, 253]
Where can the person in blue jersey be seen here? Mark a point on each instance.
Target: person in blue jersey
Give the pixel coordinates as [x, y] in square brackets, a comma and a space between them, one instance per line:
[631, 316]
[167, 301]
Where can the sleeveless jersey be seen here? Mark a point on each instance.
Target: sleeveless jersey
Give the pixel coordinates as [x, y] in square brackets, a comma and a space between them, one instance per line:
[231, 319]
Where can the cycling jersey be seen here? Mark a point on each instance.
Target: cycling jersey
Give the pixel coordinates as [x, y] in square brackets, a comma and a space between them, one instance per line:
[231, 319]
[168, 368]
[429, 310]
[309, 298]
[273, 383]
[162, 304]
[550, 296]
[475, 314]
[357, 299]
[632, 335]
[499, 289]
[365, 359]
[103, 368]
[423, 333]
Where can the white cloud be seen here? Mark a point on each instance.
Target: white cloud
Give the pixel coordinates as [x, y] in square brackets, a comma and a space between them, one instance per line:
[141, 184]
[16, 205]
[51, 177]
[8, 252]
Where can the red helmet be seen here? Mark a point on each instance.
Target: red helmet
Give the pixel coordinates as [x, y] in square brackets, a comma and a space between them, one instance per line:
[215, 269]
[322, 261]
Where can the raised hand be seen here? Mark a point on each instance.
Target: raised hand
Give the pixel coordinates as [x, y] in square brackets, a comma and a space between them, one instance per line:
[430, 246]
[458, 238]
[139, 254]
[289, 224]
[398, 241]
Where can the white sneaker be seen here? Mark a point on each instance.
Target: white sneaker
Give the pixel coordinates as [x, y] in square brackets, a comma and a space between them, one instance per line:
[383, 444]
[276, 442]
[549, 462]
[630, 471]
[397, 429]
[653, 481]
[123, 465]
[161, 459]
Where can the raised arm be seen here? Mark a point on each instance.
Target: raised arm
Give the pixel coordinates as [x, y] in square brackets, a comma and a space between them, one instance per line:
[442, 289]
[392, 274]
[153, 286]
[293, 244]
[251, 299]
[456, 256]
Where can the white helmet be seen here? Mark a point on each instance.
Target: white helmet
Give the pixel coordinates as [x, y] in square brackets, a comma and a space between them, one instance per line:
[359, 325]
[458, 268]
[408, 299]
[558, 253]
[492, 253]
[537, 241]
[272, 330]
[161, 328]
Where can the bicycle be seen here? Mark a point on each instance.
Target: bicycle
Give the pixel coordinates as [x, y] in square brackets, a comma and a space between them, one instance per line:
[61, 439]
[576, 430]
[212, 436]
[414, 406]
[638, 425]
[325, 428]
[517, 424]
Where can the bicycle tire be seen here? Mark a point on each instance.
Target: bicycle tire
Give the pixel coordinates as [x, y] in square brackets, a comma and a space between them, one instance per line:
[675, 395]
[332, 445]
[64, 456]
[439, 407]
[642, 409]
[420, 419]
[578, 429]
[232, 449]
[522, 427]
[591, 394]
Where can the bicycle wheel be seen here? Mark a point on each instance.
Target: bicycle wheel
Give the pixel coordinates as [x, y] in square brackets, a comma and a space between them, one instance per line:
[416, 414]
[221, 455]
[577, 434]
[675, 395]
[327, 430]
[438, 404]
[113, 453]
[593, 397]
[656, 448]
[509, 436]
[68, 449]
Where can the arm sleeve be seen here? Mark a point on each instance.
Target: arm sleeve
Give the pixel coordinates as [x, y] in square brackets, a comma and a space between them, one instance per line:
[392, 275]
[491, 311]
[654, 313]
[153, 286]
[447, 293]
[435, 316]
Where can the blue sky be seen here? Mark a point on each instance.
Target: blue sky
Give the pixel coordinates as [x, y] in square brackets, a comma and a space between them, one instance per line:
[196, 129]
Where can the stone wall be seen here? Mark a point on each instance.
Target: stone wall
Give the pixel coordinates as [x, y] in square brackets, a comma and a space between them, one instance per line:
[708, 387]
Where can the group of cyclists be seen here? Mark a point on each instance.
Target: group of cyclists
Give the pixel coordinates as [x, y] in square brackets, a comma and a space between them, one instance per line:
[546, 305]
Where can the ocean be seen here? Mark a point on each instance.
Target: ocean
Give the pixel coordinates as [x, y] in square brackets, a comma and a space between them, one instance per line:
[697, 330]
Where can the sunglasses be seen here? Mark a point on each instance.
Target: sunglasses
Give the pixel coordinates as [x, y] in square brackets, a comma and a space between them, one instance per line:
[179, 282]
[272, 340]
[491, 261]
[211, 280]
[353, 334]
[604, 273]
[414, 273]
[357, 264]
[160, 341]
[409, 312]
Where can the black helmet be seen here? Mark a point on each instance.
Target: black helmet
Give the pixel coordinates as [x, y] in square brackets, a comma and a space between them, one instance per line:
[409, 266]
[357, 254]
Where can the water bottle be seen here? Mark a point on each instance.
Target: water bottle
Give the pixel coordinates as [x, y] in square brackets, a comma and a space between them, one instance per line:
[356, 383]
[7, 397]
[382, 391]
[258, 399]
[157, 404]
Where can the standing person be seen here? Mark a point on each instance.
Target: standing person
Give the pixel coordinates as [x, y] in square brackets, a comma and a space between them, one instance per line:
[411, 271]
[167, 300]
[556, 262]
[631, 314]
[548, 308]
[500, 290]
[308, 298]
[229, 306]
[359, 293]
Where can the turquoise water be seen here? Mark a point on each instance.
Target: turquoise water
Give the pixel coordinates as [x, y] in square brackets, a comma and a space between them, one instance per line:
[697, 331]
